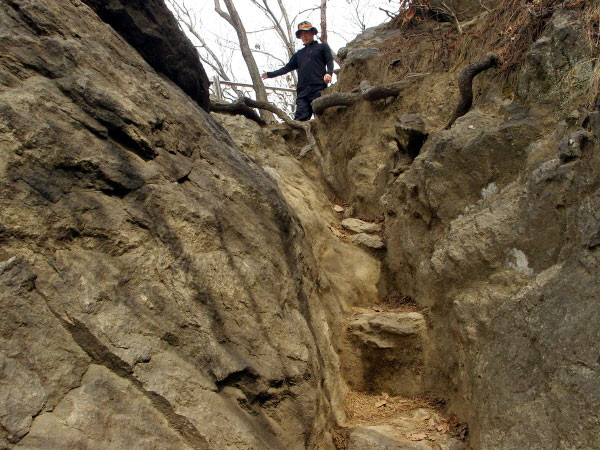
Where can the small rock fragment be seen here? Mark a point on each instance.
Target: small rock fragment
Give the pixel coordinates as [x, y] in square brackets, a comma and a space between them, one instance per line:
[570, 146]
[359, 226]
[368, 240]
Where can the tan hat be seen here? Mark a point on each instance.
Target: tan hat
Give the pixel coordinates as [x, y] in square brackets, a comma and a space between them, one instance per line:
[305, 26]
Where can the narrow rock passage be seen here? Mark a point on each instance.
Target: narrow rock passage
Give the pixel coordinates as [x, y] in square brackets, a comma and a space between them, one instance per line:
[376, 386]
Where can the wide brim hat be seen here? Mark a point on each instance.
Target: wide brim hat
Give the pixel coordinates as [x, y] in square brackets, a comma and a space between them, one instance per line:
[305, 26]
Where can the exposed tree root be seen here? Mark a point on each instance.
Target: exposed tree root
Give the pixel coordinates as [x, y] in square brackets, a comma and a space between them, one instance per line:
[236, 108]
[336, 99]
[465, 85]
[368, 92]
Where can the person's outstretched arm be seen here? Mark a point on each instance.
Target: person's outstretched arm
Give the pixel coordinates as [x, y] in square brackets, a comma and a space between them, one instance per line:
[291, 65]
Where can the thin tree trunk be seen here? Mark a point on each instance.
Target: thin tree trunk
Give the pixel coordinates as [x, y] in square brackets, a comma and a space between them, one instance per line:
[234, 20]
[323, 20]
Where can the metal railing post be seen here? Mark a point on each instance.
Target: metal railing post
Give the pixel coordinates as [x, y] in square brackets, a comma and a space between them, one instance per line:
[217, 84]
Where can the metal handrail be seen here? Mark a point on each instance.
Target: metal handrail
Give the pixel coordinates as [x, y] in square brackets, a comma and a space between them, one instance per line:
[219, 92]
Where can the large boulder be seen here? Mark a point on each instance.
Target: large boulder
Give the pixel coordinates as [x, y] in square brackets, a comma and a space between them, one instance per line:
[155, 291]
[150, 28]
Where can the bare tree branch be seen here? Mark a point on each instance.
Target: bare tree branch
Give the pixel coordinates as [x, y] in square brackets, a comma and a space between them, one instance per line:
[222, 13]
[236, 22]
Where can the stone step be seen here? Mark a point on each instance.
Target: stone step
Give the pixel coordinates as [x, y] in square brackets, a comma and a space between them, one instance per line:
[383, 352]
[383, 330]
[388, 437]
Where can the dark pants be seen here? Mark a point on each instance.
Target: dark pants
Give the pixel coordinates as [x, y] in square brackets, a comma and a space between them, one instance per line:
[304, 97]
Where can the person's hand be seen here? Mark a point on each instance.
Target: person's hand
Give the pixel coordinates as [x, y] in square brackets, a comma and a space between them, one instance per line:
[264, 75]
[327, 78]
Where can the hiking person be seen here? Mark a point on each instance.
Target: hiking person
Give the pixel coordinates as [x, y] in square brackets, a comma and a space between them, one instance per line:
[314, 63]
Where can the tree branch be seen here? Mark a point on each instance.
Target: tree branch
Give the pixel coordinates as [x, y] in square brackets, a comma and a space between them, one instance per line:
[222, 13]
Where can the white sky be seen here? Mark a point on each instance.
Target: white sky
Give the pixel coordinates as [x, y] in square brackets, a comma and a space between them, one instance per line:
[341, 28]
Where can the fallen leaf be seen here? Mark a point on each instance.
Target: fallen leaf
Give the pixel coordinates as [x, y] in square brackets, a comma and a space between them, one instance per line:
[338, 208]
[409, 15]
[380, 403]
[417, 437]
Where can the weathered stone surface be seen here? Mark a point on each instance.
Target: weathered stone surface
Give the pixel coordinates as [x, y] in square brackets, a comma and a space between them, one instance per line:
[382, 330]
[348, 275]
[557, 61]
[150, 28]
[360, 226]
[486, 245]
[156, 258]
[383, 437]
[412, 130]
[39, 362]
[571, 146]
[589, 221]
[107, 411]
[361, 55]
[368, 240]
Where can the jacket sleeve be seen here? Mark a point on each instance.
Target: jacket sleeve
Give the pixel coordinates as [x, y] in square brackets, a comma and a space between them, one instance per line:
[328, 59]
[291, 65]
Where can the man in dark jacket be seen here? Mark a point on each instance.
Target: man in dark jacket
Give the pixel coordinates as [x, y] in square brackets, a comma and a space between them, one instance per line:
[314, 63]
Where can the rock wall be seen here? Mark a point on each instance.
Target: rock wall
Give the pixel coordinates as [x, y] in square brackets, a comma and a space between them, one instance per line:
[492, 228]
[156, 291]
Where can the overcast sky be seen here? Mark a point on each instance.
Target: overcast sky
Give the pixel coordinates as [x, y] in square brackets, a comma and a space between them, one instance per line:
[342, 27]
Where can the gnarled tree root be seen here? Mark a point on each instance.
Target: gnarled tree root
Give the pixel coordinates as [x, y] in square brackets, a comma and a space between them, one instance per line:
[465, 85]
[368, 93]
[336, 99]
[236, 108]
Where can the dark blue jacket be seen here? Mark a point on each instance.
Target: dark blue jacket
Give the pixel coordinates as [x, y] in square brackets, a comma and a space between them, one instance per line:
[312, 62]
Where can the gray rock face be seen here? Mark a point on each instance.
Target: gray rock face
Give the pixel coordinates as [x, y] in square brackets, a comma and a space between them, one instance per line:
[504, 254]
[360, 55]
[495, 234]
[412, 130]
[155, 291]
[557, 61]
[382, 438]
